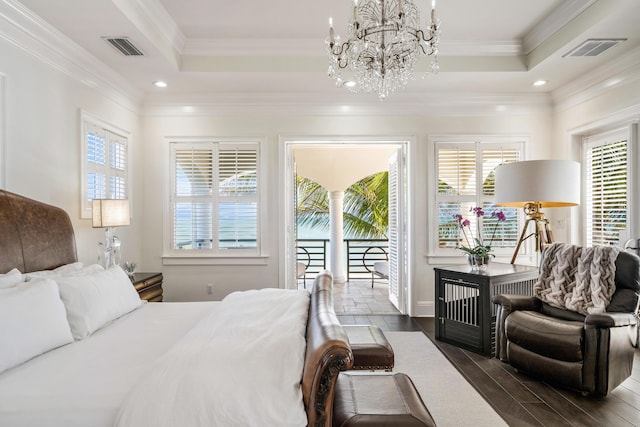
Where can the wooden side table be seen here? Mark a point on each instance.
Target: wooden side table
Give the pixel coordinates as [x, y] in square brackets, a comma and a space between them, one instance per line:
[148, 285]
[465, 315]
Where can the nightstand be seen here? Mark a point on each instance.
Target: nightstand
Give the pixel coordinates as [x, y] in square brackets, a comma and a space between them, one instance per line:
[148, 285]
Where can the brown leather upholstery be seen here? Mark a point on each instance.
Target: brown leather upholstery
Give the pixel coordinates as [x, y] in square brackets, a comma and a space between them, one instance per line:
[379, 400]
[33, 235]
[327, 353]
[592, 354]
[370, 347]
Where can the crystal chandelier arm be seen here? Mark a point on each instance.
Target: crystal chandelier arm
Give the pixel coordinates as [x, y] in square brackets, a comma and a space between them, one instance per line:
[337, 50]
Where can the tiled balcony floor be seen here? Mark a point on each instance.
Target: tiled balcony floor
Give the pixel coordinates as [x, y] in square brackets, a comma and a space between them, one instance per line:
[357, 297]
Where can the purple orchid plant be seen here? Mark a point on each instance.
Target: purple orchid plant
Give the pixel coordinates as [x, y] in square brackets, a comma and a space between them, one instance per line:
[480, 248]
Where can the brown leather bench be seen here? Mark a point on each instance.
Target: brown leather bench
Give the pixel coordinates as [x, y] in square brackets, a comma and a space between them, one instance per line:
[378, 400]
[370, 347]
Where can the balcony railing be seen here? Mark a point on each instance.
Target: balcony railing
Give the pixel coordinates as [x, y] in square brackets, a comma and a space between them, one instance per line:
[360, 254]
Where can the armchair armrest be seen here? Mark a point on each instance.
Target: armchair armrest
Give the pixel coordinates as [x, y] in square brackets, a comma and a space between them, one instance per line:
[508, 303]
[610, 320]
[512, 302]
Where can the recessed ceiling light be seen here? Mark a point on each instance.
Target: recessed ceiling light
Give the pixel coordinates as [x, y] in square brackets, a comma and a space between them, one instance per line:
[160, 83]
[540, 83]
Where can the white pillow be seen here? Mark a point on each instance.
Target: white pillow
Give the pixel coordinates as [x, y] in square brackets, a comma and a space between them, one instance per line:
[63, 270]
[10, 279]
[33, 321]
[95, 299]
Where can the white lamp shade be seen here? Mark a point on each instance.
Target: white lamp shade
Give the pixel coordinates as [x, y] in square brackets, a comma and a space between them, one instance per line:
[110, 212]
[551, 183]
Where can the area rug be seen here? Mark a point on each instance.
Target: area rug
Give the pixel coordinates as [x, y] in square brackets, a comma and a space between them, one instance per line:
[451, 400]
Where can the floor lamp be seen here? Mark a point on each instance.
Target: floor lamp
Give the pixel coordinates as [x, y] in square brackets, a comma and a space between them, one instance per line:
[534, 185]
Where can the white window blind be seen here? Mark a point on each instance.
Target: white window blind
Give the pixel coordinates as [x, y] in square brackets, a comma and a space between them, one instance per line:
[214, 196]
[105, 159]
[606, 192]
[466, 179]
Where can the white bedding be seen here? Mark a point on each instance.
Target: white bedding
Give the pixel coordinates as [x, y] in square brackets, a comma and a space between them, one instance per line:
[84, 383]
[239, 366]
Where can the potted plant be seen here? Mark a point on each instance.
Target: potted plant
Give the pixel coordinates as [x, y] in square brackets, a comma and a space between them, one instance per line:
[479, 252]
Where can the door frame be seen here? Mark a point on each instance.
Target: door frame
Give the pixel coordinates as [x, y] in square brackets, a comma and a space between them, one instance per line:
[286, 208]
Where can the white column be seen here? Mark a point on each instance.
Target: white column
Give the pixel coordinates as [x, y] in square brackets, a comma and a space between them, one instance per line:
[336, 260]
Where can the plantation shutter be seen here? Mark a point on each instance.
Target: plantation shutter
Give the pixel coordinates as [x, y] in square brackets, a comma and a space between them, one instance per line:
[397, 232]
[105, 160]
[465, 179]
[606, 163]
[215, 196]
[393, 230]
[505, 234]
[238, 208]
[96, 169]
[117, 166]
[193, 200]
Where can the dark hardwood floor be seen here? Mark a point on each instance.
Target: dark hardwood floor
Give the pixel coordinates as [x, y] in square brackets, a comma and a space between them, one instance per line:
[521, 400]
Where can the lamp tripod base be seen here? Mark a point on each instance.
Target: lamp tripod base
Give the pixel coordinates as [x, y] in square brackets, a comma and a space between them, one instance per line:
[543, 233]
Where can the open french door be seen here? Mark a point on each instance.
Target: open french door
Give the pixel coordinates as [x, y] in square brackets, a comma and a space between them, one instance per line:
[397, 230]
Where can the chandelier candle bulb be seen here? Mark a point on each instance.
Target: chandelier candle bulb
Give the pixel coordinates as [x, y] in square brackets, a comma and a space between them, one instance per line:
[331, 34]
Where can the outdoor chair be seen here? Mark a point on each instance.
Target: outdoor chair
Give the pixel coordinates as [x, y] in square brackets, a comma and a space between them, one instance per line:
[376, 262]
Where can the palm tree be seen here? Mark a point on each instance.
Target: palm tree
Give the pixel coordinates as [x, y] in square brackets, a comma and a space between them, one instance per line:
[366, 206]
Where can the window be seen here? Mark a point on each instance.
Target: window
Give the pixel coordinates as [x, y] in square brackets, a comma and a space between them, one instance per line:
[465, 179]
[105, 159]
[606, 187]
[214, 197]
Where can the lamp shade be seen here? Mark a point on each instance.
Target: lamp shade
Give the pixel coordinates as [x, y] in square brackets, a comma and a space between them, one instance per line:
[551, 183]
[110, 212]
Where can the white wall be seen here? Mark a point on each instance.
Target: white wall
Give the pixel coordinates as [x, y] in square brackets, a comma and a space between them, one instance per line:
[189, 282]
[42, 160]
[594, 112]
[42, 142]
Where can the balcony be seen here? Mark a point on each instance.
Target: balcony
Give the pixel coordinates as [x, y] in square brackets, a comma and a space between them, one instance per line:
[360, 256]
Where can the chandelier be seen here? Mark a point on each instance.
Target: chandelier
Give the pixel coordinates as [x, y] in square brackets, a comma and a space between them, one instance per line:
[385, 41]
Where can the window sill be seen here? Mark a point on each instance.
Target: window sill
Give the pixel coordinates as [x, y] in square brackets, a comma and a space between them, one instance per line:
[461, 259]
[214, 259]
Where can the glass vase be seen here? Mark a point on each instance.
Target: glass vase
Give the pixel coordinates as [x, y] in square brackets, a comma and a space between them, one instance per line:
[471, 259]
[481, 263]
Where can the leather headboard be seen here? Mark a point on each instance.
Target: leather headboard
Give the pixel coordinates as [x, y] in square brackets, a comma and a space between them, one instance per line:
[33, 235]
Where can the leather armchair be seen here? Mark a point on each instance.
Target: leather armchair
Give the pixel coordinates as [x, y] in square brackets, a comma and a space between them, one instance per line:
[592, 354]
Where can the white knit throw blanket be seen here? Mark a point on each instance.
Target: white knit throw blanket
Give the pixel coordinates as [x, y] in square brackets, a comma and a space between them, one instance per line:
[577, 278]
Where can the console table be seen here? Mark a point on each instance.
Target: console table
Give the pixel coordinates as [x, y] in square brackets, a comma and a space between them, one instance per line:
[465, 315]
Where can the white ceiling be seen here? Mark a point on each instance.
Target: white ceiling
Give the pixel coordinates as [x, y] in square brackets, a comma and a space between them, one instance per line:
[206, 48]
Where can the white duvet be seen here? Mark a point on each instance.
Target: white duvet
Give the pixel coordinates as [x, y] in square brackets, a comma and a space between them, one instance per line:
[240, 366]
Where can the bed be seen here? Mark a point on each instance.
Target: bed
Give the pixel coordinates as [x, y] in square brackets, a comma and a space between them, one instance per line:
[117, 372]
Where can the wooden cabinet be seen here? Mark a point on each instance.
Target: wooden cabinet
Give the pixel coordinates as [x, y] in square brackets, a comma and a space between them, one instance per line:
[465, 315]
[148, 285]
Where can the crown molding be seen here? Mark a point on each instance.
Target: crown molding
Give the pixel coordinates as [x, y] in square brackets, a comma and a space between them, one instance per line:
[33, 35]
[552, 23]
[318, 104]
[311, 47]
[624, 69]
[477, 48]
[153, 20]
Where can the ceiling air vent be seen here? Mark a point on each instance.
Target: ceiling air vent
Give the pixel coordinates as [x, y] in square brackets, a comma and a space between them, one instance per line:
[124, 46]
[593, 47]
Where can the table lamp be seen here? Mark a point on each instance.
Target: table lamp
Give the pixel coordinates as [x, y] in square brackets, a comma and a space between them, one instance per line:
[534, 185]
[107, 214]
